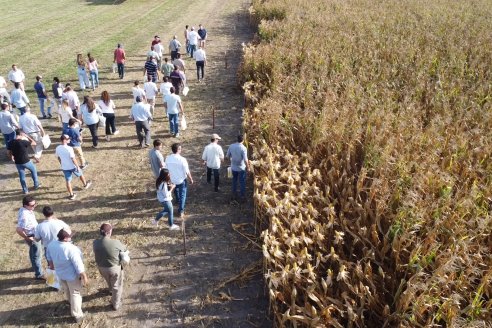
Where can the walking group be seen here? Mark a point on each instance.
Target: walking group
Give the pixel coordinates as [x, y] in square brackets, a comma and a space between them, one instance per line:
[25, 138]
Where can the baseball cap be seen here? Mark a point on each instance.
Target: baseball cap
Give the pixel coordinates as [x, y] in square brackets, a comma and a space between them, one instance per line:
[216, 136]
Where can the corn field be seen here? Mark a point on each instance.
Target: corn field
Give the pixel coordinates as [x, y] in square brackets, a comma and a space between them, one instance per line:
[370, 123]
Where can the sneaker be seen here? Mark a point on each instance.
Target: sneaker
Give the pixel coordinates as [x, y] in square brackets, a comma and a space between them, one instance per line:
[81, 319]
[108, 138]
[72, 197]
[174, 227]
[116, 132]
[37, 187]
[25, 192]
[177, 135]
[154, 222]
[88, 184]
[42, 277]
[94, 146]
[50, 116]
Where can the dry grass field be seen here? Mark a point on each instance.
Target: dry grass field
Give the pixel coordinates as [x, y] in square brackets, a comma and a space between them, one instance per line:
[370, 124]
[218, 283]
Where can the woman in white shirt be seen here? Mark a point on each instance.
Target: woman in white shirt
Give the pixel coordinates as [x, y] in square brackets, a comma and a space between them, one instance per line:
[65, 113]
[107, 108]
[90, 116]
[164, 196]
[93, 70]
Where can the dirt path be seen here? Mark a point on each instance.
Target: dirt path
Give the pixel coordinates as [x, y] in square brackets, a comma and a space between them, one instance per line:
[218, 283]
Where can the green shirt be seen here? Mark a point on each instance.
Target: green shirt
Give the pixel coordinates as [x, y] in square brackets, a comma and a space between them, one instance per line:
[107, 251]
[166, 69]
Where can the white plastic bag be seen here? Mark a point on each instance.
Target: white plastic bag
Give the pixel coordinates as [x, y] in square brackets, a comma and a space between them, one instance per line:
[102, 120]
[185, 91]
[115, 67]
[229, 172]
[125, 258]
[184, 125]
[46, 141]
[52, 279]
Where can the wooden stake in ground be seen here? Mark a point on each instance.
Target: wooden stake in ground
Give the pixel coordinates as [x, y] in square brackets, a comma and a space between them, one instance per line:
[183, 229]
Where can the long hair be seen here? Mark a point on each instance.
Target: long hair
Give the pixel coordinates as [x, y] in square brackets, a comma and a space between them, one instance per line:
[80, 61]
[163, 177]
[89, 103]
[66, 106]
[105, 97]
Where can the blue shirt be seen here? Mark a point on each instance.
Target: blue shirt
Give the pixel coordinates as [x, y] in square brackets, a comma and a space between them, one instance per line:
[238, 154]
[67, 259]
[39, 87]
[74, 135]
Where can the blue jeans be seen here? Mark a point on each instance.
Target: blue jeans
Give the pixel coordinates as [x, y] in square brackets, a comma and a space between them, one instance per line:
[22, 110]
[174, 123]
[180, 193]
[41, 107]
[241, 176]
[35, 257]
[168, 208]
[94, 79]
[192, 49]
[83, 79]
[121, 70]
[22, 175]
[9, 137]
[65, 126]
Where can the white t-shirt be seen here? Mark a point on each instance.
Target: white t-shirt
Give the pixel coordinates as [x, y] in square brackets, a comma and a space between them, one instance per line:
[66, 114]
[172, 100]
[138, 92]
[159, 49]
[48, 229]
[150, 89]
[165, 89]
[212, 154]
[178, 168]
[65, 153]
[108, 109]
[163, 193]
[29, 123]
[16, 76]
[200, 55]
[193, 37]
[72, 98]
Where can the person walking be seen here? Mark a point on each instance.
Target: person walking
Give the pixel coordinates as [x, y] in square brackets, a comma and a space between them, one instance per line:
[165, 89]
[82, 73]
[93, 71]
[202, 33]
[17, 76]
[167, 67]
[8, 124]
[107, 254]
[201, 61]
[164, 196]
[174, 46]
[151, 90]
[156, 159]
[141, 115]
[26, 228]
[177, 79]
[174, 106]
[4, 95]
[180, 63]
[119, 59]
[47, 230]
[42, 97]
[159, 50]
[19, 98]
[137, 91]
[57, 89]
[151, 70]
[66, 259]
[180, 174]
[73, 131]
[238, 155]
[69, 166]
[187, 42]
[73, 99]
[31, 126]
[107, 108]
[17, 150]
[90, 116]
[212, 157]
[193, 38]
[66, 113]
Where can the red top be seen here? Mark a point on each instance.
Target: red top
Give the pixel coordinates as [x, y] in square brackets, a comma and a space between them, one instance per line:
[119, 56]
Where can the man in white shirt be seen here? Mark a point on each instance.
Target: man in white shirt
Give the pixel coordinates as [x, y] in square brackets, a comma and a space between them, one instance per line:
[19, 98]
[17, 76]
[165, 89]
[212, 156]
[8, 124]
[4, 94]
[201, 61]
[26, 228]
[174, 106]
[31, 126]
[159, 50]
[47, 230]
[141, 115]
[179, 171]
[193, 38]
[66, 259]
[137, 91]
[73, 100]
[150, 89]
[69, 165]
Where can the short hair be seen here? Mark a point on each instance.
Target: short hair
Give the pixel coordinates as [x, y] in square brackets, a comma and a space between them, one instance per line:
[175, 147]
[119, 45]
[137, 82]
[165, 59]
[62, 234]
[157, 142]
[175, 67]
[165, 79]
[178, 55]
[240, 138]
[172, 89]
[56, 79]
[72, 121]
[16, 85]
[5, 106]
[48, 211]
[38, 77]
[105, 229]
[138, 99]
[18, 131]
[27, 199]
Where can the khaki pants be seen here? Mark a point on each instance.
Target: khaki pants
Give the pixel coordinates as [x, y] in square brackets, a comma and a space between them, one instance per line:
[80, 155]
[72, 293]
[114, 277]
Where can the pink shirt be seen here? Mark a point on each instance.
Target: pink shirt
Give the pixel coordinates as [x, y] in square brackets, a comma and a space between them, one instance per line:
[119, 56]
